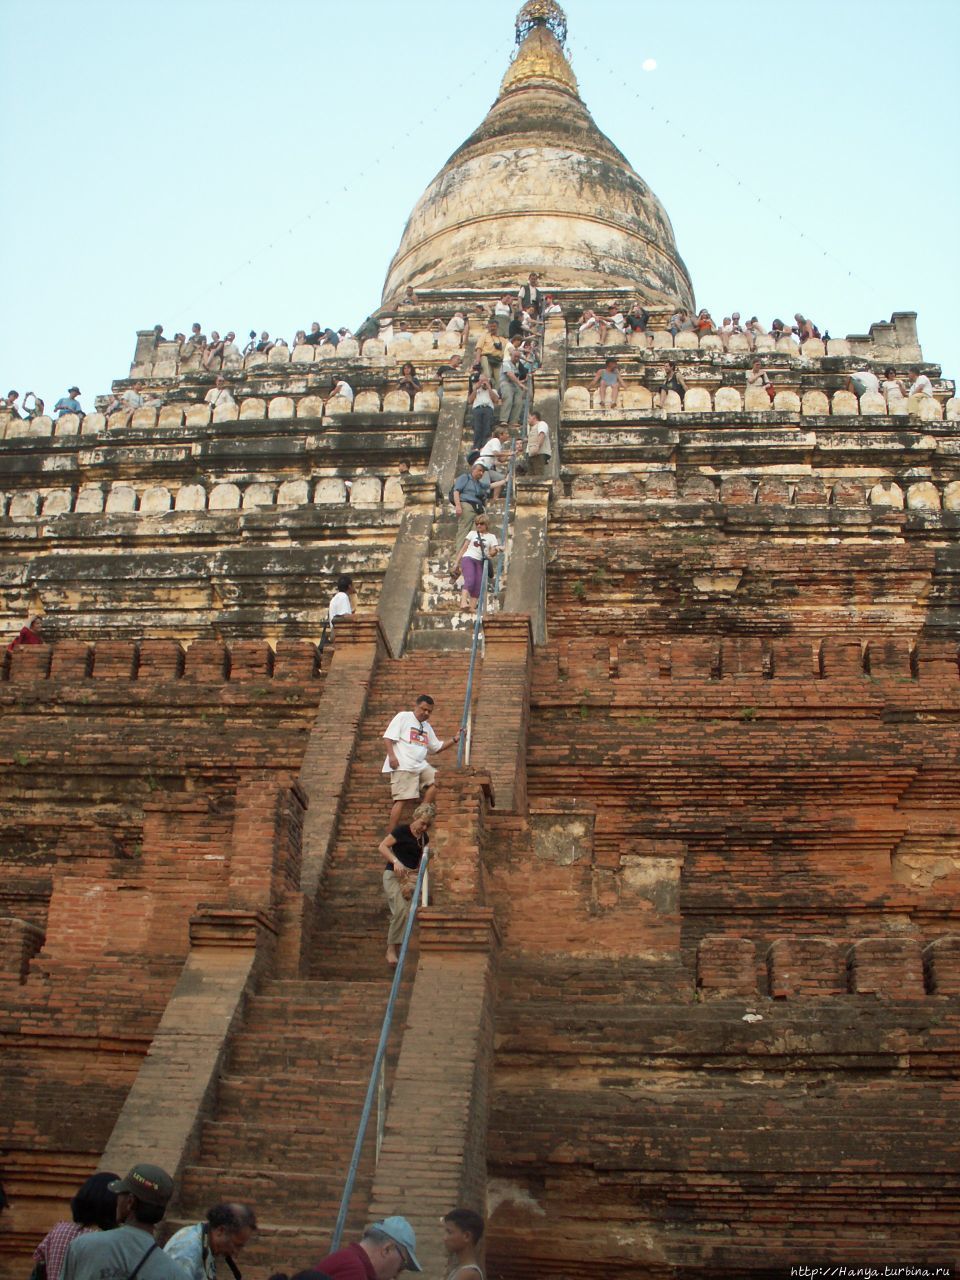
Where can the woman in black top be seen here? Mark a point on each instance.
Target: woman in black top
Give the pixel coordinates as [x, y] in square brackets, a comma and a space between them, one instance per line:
[409, 381]
[403, 849]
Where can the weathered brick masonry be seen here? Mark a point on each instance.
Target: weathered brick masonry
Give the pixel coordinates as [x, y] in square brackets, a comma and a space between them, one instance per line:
[684, 1002]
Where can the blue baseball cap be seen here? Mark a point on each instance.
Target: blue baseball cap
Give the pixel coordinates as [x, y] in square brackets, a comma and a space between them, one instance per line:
[400, 1231]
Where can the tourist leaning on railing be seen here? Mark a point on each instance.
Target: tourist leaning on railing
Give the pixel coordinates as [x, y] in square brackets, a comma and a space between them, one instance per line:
[478, 546]
[410, 738]
[404, 848]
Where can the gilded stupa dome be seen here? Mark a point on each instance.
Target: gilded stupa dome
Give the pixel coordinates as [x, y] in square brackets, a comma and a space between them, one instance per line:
[538, 187]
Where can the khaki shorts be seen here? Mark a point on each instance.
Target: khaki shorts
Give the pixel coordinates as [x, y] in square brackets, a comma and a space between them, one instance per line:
[406, 785]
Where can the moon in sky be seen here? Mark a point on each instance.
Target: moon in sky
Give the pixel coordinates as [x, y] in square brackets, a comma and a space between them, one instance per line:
[649, 64]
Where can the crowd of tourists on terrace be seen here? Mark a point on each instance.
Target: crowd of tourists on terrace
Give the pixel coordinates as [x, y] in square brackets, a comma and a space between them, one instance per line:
[509, 326]
[116, 1228]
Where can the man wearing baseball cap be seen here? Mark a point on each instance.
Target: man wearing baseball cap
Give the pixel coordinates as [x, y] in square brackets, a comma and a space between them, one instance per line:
[386, 1249]
[130, 1252]
[68, 403]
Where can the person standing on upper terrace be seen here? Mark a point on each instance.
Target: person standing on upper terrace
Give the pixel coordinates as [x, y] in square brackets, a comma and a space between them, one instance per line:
[488, 353]
[530, 295]
[343, 600]
[921, 384]
[69, 404]
[220, 396]
[892, 389]
[503, 312]
[9, 402]
[410, 738]
[861, 381]
[457, 324]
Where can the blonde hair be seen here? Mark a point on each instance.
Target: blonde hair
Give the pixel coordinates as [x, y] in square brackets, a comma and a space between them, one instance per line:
[427, 811]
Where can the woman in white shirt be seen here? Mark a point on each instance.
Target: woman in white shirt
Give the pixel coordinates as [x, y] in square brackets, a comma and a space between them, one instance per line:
[892, 389]
[341, 604]
[478, 545]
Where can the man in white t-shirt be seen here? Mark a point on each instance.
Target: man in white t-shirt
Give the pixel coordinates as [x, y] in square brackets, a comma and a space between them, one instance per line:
[538, 443]
[219, 397]
[862, 381]
[457, 324]
[921, 385]
[341, 604]
[340, 389]
[409, 737]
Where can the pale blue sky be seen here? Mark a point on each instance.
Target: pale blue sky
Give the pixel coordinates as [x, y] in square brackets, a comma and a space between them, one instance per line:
[253, 164]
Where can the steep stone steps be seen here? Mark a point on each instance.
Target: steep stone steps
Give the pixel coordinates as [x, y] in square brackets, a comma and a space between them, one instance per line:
[291, 1094]
[287, 1109]
[352, 911]
[439, 623]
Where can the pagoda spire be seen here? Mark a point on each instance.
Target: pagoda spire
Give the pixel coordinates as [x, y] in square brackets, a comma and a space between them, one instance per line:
[540, 59]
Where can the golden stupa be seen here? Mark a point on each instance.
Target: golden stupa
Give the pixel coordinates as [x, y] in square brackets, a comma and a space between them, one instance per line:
[538, 187]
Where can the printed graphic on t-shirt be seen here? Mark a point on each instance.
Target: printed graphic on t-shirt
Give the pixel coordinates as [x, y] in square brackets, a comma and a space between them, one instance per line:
[419, 736]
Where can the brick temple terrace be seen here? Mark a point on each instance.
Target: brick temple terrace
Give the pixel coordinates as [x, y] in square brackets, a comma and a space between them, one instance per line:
[685, 1000]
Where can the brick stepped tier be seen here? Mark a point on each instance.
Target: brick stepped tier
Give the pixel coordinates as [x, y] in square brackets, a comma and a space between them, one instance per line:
[808, 805]
[351, 926]
[287, 1110]
[641, 568]
[694, 1129]
[126, 775]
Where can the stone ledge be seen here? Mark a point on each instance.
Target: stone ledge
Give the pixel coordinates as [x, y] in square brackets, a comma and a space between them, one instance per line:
[468, 929]
[229, 927]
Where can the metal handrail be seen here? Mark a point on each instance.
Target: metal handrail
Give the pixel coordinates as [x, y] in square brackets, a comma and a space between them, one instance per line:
[511, 470]
[375, 1084]
[478, 620]
[468, 696]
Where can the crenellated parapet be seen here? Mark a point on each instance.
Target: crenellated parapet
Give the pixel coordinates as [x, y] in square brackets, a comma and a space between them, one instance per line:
[207, 662]
[886, 967]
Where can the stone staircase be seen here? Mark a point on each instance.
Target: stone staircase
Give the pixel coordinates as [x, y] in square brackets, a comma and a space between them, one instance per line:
[288, 1106]
[439, 623]
[289, 1100]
